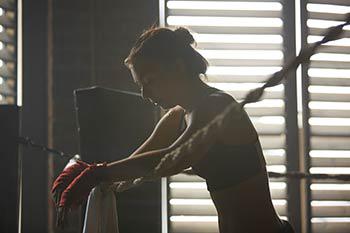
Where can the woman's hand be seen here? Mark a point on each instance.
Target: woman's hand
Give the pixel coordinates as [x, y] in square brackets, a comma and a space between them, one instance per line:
[79, 189]
[65, 178]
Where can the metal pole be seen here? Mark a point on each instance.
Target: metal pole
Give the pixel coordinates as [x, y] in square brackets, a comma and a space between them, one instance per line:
[306, 113]
[291, 114]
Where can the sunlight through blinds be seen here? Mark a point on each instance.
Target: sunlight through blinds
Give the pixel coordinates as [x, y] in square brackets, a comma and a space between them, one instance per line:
[329, 118]
[243, 42]
[8, 45]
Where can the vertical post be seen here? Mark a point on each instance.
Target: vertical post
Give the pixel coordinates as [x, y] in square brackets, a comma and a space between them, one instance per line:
[164, 180]
[306, 113]
[291, 114]
[10, 169]
[50, 114]
[34, 116]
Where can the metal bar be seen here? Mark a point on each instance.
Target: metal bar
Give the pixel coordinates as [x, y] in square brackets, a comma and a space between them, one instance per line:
[306, 114]
[15, 45]
[291, 114]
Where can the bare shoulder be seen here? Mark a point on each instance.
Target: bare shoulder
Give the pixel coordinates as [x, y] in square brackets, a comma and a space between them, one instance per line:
[212, 105]
[176, 110]
[173, 114]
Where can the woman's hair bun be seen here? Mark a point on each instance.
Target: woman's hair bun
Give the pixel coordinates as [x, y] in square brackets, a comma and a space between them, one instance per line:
[183, 35]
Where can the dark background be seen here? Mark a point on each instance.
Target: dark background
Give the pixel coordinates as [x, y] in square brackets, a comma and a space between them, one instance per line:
[69, 45]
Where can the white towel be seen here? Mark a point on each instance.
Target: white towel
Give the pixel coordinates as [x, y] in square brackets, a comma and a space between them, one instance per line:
[101, 211]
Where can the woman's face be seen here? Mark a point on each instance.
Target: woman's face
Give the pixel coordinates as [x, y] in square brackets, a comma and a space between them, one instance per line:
[156, 84]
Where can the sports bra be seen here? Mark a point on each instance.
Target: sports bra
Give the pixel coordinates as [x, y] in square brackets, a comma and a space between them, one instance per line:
[226, 165]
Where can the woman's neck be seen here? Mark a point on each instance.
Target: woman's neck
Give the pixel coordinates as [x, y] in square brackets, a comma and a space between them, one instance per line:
[193, 93]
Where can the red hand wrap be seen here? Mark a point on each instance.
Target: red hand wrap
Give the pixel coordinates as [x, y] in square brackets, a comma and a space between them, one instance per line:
[68, 175]
[79, 189]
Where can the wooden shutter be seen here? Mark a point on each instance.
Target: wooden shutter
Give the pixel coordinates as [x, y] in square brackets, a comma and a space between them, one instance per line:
[243, 43]
[326, 92]
[8, 49]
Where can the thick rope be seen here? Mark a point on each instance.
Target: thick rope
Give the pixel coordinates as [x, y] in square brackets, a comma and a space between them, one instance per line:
[213, 128]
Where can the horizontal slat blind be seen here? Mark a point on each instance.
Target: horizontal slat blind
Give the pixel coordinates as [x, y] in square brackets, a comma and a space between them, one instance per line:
[8, 50]
[329, 120]
[243, 43]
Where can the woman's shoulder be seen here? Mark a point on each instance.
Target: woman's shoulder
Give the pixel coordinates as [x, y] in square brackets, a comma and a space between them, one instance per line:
[177, 109]
[239, 123]
[217, 100]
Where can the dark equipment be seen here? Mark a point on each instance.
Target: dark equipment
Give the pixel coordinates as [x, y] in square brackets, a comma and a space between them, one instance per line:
[111, 125]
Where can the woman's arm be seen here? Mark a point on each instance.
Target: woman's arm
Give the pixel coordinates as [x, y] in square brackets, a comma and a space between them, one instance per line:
[165, 132]
[143, 163]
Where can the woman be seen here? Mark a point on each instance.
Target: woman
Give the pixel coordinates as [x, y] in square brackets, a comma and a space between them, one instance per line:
[167, 70]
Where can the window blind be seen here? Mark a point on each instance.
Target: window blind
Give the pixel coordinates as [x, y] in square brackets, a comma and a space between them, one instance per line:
[327, 93]
[243, 42]
[8, 27]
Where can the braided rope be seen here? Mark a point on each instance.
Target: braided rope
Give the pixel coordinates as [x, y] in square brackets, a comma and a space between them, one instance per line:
[213, 128]
[297, 175]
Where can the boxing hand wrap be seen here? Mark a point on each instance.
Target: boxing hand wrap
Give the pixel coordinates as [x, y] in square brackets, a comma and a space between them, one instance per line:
[79, 189]
[66, 177]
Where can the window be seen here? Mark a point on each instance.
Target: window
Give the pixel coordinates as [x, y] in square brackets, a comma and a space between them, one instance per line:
[8, 49]
[245, 42]
[326, 92]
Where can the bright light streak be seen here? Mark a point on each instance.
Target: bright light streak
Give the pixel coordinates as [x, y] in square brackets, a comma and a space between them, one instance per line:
[329, 121]
[191, 202]
[329, 73]
[1, 11]
[182, 218]
[274, 152]
[330, 187]
[188, 185]
[330, 170]
[279, 202]
[242, 71]
[221, 5]
[1, 98]
[329, 105]
[277, 185]
[1, 45]
[331, 57]
[271, 120]
[339, 42]
[329, 89]
[327, 8]
[224, 21]
[276, 168]
[238, 38]
[1, 80]
[330, 203]
[331, 220]
[267, 103]
[320, 23]
[330, 154]
[1, 28]
[242, 54]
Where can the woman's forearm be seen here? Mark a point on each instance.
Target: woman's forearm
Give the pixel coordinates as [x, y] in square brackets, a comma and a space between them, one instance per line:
[133, 167]
[142, 164]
